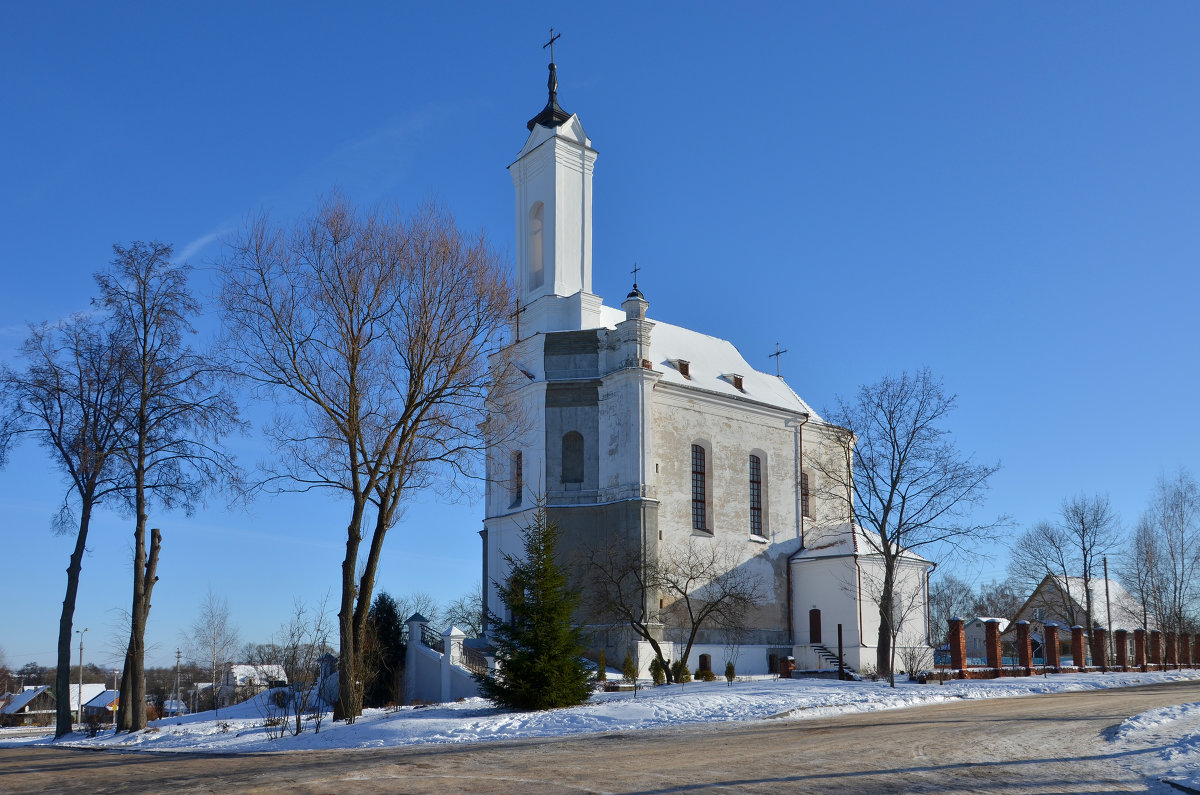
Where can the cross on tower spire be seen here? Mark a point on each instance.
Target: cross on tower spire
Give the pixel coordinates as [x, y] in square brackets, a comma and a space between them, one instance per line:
[550, 44]
[776, 356]
[552, 115]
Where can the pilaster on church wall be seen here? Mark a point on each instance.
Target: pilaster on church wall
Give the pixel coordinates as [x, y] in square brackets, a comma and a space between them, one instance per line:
[627, 434]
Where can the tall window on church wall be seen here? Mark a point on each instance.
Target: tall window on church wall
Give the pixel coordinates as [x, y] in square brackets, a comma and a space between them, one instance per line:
[537, 268]
[699, 496]
[805, 501]
[515, 478]
[756, 519]
[572, 457]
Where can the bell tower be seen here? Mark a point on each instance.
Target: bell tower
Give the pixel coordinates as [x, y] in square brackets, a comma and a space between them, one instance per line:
[552, 178]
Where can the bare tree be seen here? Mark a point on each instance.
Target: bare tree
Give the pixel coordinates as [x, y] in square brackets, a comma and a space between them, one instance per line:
[1070, 551]
[297, 649]
[1164, 562]
[949, 597]
[419, 602]
[370, 332]
[700, 584]
[466, 612]
[72, 397]
[213, 639]
[998, 599]
[175, 416]
[894, 470]
[1044, 550]
[1141, 570]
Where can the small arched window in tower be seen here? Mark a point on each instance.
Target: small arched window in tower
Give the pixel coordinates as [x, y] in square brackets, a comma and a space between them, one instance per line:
[537, 248]
[756, 517]
[516, 478]
[699, 492]
[805, 500]
[572, 457]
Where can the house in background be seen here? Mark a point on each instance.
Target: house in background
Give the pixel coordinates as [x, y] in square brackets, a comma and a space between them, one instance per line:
[173, 708]
[102, 707]
[33, 706]
[239, 681]
[1063, 600]
[975, 631]
[84, 695]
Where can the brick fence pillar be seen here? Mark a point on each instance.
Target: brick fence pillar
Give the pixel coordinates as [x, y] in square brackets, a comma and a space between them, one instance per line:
[1139, 649]
[1121, 642]
[1172, 650]
[1196, 649]
[1100, 647]
[958, 645]
[1185, 649]
[1155, 651]
[1024, 648]
[1078, 655]
[992, 642]
[1050, 645]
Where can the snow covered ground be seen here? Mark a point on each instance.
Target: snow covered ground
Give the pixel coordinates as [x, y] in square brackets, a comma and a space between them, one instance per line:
[1173, 731]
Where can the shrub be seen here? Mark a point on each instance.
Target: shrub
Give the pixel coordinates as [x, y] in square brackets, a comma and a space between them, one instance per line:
[705, 676]
[869, 672]
[656, 671]
[629, 670]
[680, 672]
[730, 672]
[601, 668]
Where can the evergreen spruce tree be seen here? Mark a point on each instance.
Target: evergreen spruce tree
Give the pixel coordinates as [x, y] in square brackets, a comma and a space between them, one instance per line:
[539, 649]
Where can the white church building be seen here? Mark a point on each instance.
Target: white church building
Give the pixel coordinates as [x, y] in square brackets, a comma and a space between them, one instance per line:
[649, 435]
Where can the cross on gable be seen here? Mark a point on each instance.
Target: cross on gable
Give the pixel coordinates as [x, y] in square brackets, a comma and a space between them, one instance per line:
[516, 316]
[778, 352]
[550, 44]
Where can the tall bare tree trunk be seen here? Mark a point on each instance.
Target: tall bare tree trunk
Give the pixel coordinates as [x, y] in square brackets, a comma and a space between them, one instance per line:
[62, 679]
[131, 714]
[883, 652]
[349, 700]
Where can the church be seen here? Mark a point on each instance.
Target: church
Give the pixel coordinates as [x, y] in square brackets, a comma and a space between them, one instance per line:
[650, 437]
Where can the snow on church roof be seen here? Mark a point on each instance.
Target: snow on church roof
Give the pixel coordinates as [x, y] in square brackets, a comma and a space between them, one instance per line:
[712, 363]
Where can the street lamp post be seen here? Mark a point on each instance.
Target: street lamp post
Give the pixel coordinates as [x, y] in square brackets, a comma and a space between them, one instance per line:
[79, 713]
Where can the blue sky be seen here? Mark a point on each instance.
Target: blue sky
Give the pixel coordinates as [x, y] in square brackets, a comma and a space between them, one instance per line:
[1009, 194]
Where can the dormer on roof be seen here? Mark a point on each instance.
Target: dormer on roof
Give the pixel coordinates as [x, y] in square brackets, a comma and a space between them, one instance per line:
[736, 379]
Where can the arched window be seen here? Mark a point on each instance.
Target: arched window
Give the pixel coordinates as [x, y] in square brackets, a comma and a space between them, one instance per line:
[705, 662]
[572, 457]
[516, 478]
[537, 269]
[756, 515]
[805, 501]
[699, 491]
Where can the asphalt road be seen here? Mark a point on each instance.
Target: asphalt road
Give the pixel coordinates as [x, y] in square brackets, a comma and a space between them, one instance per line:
[1039, 744]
